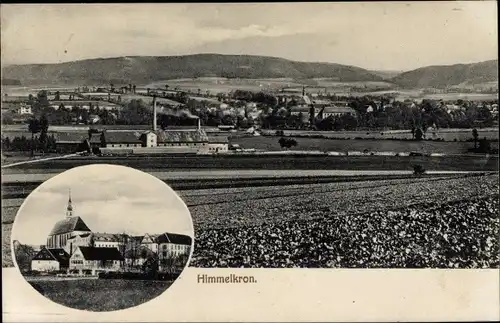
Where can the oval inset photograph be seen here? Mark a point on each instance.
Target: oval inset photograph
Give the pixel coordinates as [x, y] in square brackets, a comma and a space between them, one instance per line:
[102, 238]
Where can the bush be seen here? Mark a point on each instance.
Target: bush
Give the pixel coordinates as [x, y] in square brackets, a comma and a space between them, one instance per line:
[287, 143]
[418, 170]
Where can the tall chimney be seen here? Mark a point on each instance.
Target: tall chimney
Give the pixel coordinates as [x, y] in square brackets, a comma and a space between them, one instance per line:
[154, 113]
[199, 123]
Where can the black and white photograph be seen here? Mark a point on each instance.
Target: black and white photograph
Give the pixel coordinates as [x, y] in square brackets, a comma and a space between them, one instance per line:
[102, 238]
[322, 135]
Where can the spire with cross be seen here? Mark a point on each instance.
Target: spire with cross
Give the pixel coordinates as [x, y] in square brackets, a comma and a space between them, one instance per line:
[69, 209]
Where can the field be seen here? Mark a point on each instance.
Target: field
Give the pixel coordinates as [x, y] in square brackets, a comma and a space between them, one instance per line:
[100, 295]
[269, 162]
[444, 134]
[319, 85]
[321, 144]
[232, 221]
[439, 223]
[147, 99]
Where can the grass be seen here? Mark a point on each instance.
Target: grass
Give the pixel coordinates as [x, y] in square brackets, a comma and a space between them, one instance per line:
[323, 144]
[445, 134]
[100, 295]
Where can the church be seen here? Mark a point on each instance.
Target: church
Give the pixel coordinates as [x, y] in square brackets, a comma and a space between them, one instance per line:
[73, 247]
[67, 228]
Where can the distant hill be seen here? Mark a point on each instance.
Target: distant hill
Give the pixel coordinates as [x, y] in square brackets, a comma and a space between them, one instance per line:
[387, 75]
[442, 76]
[147, 69]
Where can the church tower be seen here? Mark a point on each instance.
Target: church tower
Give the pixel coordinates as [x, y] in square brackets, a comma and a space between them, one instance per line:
[69, 209]
[66, 229]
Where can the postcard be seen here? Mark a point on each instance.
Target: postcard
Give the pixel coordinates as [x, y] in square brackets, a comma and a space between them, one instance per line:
[250, 162]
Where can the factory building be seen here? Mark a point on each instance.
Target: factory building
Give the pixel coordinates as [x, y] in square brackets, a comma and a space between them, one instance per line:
[193, 140]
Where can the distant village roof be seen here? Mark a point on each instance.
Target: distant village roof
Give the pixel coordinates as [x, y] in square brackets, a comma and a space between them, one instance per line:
[321, 102]
[82, 102]
[334, 109]
[74, 223]
[174, 238]
[92, 253]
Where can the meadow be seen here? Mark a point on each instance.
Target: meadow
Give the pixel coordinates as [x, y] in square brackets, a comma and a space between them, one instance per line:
[444, 134]
[322, 144]
[318, 85]
[100, 295]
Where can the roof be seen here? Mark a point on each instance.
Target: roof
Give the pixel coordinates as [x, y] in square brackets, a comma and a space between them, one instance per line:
[306, 99]
[321, 102]
[92, 253]
[107, 237]
[70, 136]
[58, 254]
[80, 235]
[174, 238]
[126, 137]
[82, 102]
[218, 139]
[189, 135]
[333, 109]
[74, 223]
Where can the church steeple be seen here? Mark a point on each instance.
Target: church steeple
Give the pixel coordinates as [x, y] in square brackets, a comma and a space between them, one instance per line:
[69, 209]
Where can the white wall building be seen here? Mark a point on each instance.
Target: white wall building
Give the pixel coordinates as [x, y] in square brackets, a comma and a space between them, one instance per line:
[50, 260]
[24, 109]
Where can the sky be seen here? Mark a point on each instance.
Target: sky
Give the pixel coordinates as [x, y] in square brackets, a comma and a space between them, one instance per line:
[392, 36]
[109, 198]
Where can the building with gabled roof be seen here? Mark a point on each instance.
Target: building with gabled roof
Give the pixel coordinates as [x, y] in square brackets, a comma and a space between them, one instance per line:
[92, 260]
[53, 259]
[173, 244]
[64, 229]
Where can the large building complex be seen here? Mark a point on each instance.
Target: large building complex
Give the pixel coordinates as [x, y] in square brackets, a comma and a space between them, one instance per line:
[72, 247]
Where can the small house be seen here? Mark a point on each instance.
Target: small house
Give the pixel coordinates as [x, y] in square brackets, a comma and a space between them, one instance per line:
[92, 260]
[50, 260]
[218, 144]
